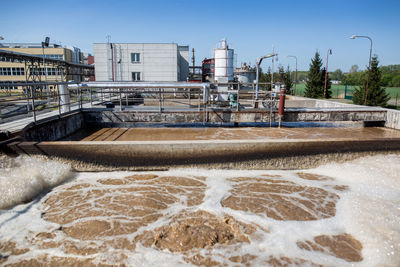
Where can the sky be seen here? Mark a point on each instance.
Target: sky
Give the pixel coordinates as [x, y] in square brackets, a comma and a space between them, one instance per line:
[251, 27]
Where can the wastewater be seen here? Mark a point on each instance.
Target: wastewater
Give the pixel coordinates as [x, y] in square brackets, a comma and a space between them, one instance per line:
[337, 214]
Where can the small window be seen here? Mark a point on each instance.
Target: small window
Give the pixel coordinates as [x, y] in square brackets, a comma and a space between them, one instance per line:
[135, 57]
[135, 76]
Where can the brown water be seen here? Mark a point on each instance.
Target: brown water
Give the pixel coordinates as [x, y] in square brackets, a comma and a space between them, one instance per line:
[169, 134]
[335, 215]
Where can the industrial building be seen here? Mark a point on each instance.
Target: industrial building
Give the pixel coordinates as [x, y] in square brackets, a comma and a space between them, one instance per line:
[13, 71]
[141, 62]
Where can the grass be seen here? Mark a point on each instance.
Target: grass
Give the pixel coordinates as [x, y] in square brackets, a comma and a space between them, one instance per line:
[338, 91]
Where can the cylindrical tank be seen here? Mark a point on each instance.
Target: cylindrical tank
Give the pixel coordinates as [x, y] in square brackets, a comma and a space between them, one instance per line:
[223, 63]
[245, 76]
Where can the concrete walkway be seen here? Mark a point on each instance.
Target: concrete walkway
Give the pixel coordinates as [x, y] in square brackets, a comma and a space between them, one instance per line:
[17, 125]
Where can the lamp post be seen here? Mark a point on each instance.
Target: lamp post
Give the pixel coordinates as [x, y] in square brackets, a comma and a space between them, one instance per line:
[1, 38]
[295, 80]
[326, 69]
[258, 62]
[45, 44]
[369, 64]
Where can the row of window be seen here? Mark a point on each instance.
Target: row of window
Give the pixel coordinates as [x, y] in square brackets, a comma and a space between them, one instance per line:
[33, 71]
[7, 59]
[12, 71]
[41, 71]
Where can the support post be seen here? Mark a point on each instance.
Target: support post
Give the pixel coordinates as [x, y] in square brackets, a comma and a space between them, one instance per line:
[64, 98]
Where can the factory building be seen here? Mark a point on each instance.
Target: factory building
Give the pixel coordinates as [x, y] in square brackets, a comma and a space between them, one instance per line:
[141, 62]
[14, 71]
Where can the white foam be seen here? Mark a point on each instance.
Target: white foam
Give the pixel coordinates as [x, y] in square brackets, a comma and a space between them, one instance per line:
[369, 210]
[23, 178]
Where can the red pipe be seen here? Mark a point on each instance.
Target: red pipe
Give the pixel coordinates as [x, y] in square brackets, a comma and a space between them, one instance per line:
[281, 102]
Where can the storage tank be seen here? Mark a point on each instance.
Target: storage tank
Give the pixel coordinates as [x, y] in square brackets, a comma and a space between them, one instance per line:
[223, 63]
[245, 74]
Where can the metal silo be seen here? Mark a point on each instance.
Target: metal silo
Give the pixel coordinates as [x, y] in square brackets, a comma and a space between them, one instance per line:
[223, 63]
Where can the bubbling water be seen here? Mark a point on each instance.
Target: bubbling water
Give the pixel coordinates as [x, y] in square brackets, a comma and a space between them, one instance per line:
[23, 178]
[339, 214]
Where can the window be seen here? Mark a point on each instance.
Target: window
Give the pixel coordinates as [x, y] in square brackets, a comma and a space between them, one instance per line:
[18, 71]
[135, 76]
[135, 57]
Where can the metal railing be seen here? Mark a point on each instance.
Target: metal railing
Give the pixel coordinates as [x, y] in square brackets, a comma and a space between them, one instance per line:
[31, 101]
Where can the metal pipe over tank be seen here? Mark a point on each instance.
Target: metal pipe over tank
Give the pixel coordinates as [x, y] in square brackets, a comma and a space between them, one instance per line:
[258, 62]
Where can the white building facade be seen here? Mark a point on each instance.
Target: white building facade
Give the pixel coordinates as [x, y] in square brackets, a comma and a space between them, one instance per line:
[141, 62]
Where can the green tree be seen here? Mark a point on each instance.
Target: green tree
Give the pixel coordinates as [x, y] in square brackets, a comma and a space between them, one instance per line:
[265, 78]
[316, 78]
[387, 79]
[288, 81]
[328, 93]
[396, 81]
[377, 95]
[354, 68]
[337, 75]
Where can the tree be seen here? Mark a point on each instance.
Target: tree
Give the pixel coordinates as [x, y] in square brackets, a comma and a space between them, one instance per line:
[316, 78]
[288, 81]
[377, 95]
[337, 75]
[354, 68]
[328, 93]
[396, 81]
[265, 78]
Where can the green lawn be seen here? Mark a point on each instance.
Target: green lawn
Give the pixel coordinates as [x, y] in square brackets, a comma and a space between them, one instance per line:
[338, 91]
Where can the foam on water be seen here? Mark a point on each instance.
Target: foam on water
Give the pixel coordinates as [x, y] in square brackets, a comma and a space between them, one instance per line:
[369, 210]
[23, 178]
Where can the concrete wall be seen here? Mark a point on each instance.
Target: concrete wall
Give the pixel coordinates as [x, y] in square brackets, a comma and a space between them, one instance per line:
[158, 62]
[54, 128]
[393, 119]
[130, 118]
[250, 154]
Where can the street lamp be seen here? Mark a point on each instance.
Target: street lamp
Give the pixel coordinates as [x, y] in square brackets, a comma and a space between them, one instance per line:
[46, 44]
[295, 80]
[258, 62]
[326, 69]
[369, 64]
[1, 38]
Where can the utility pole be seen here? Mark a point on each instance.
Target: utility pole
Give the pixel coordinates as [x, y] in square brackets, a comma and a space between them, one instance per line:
[326, 69]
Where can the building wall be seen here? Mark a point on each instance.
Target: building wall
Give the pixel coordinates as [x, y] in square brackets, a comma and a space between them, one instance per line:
[158, 62]
[58, 53]
[183, 62]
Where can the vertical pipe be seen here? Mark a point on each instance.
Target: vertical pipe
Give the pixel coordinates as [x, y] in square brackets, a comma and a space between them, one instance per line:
[120, 100]
[198, 102]
[257, 80]
[33, 104]
[59, 100]
[45, 77]
[281, 105]
[91, 97]
[159, 96]
[295, 81]
[112, 61]
[190, 97]
[237, 98]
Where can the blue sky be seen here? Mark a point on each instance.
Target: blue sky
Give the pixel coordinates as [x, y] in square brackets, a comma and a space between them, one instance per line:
[251, 27]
